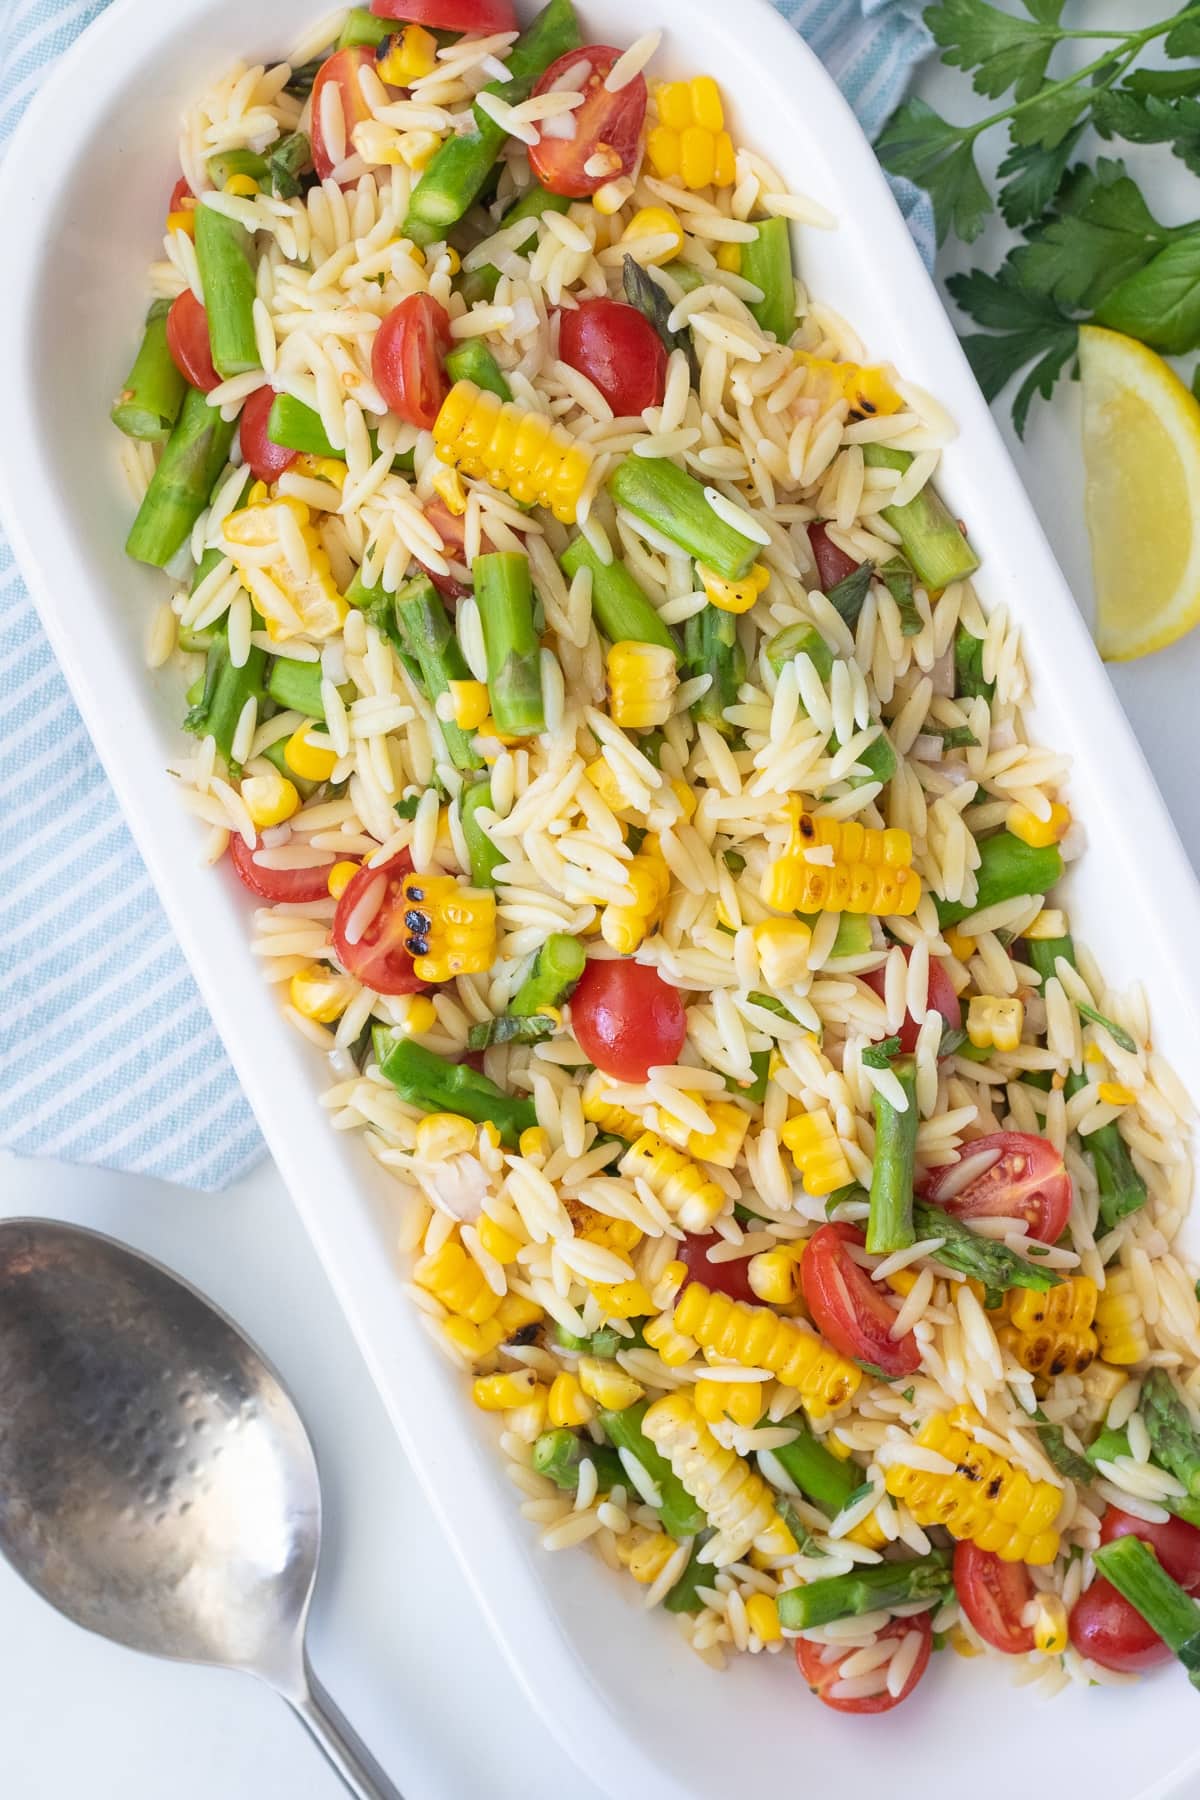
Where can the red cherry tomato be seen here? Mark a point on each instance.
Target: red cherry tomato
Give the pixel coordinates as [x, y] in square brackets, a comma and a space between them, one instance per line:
[1026, 1179]
[606, 125]
[378, 958]
[821, 1675]
[1105, 1627]
[833, 565]
[941, 998]
[1175, 1543]
[187, 340]
[266, 459]
[279, 886]
[732, 1278]
[451, 531]
[848, 1308]
[450, 15]
[407, 359]
[627, 1018]
[179, 193]
[993, 1594]
[618, 349]
[341, 70]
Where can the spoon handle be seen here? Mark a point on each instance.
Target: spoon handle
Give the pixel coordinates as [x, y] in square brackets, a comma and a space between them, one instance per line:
[342, 1745]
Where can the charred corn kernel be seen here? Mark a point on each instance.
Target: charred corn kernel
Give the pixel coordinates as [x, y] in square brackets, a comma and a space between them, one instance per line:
[474, 1341]
[729, 258]
[817, 1152]
[671, 1345]
[1051, 1334]
[307, 759]
[774, 1275]
[1115, 1093]
[871, 871]
[739, 1504]
[455, 1279]
[452, 928]
[519, 451]
[783, 946]
[650, 1556]
[762, 1616]
[568, 1404]
[470, 702]
[340, 877]
[608, 1384]
[690, 1196]
[182, 221]
[959, 944]
[534, 1141]
[617, 1121]
[444, 1134]
[740, 1401]
[244, 186]
[625, 927]
[420, 1016]
[320, 994]
[497, 1393]
[642, 679]
[734, 596]
[868, 391]
[609, 199]
[722, 1146]
[1050, 923]
[498, 1242]
[515, 1313]
[870, 1533]
[758, 1339]
[621, 1299]
[290, 598]
[961, 1644]
[1120, 1328]
[1101, 1385]
[270, 799]
[987, 1499]
[447, 483]
[1050, 1634]
[656, 222]
[1039, 833]
[407, 56]
[322, 468]
[995, 1023]
[690, 140]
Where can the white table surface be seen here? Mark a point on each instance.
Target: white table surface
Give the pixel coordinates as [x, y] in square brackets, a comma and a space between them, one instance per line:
[394, 1635]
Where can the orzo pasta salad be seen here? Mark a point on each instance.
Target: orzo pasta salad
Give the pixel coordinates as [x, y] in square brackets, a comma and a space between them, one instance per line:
[589, 683]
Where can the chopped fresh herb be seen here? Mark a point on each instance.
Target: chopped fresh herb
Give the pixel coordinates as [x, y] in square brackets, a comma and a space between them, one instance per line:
[879, 1056]
[849, 594]
[734, 861]
[769, 1004]
[642, 291]
[908, 1394]
[900, 582]
[407, 809]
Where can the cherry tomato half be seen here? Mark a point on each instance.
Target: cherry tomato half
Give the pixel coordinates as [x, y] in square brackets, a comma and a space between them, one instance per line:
[833, 565]
[848, 1308]
[1026, 1179]
[821, 1675]
[606, 125]
[618, 349]
[280, 886]
[406, 360]
[187, 340]
[732, 1278]
[378, 957]
[993, 1594]
[179, 193]
[457, 584]
[1105, 1627]
[1175, 1543]
[627, 1018]
[941, 998]
[341, 70]
[267, 460]
[450, 15]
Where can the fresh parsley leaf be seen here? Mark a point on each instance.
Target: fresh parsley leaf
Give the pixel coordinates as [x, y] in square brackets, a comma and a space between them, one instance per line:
[1105, 233]
[1000, 51]
[1050, 117]
[1117, 1033]
[1160, 304]
[1184, 40]
[1150, 119]
[1028, 328]
[1196, 381]
[1169, 83]
[878, 1056]
[939, 156]
[1035, 176]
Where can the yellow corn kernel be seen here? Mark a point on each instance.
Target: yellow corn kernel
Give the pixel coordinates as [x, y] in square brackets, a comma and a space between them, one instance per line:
[453, 927]
[534, 1141]
[994, 1022]
[869, 1532]
[308, 760]
[621, 1299]
[244, 186]
[322, 468]
[817, 1152]
[1050, 923]
[182, 221]
[960, 944]
[729, 258]
[568, 1404]
[783, 946]
[722, 1146]
[870, 872]
[529, 1420]
[320, 994]
[517, 450]
[515, 1313]
[868, 391]
[650, 1556]
[475, 1341]
[1115, 1093]
[608, 1384]
[471, 703]
[444, 1134]
[609, 199]
[774, 1275]
[741, 1401]
[407, 57]
[655, 222]
[1039, 833]
[624, 927]
[600, 774]
[1120, 1327]
[666, 1288]
[961, 1644]
[690, 140]
[987, 1499]
[690, 1196]
[259, 494]
[762, 1616]
[1101, 1385]
[270, 799]
[1092, 1053]
[496, 1240]
[686, 798]
[759, 1339]
[290, 602]
[739, 1504]
[617, 1121]
[447, 483]
[1051, 1334]
[671, 1345]
[497, 1393]
[416, 151]
[455, 1279]
[734, 596]
[420, 1016]
[1050, 1634]
[642, 679]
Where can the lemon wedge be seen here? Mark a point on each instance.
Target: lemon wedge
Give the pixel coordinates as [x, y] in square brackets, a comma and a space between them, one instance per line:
[1141, 446]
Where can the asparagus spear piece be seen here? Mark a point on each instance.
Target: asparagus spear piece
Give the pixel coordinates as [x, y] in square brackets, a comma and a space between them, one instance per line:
[879, 759]
[929, 533]
[680, 1514]
[226, 691]
[362, 27]
[1136, 1573]
[1007, 867]
[481, 284]
[817, 1472]
[296, 687]
[557, 1454]
[427, 1080]
[674, 503]
[286, 162]
[711, 646]
[485, 858]
[429, 638]
[683, 1597]
[227, 163]
[473, 361]
[622, 610]
[767, 262]
[150, 398]
[890, 1222]
[642, 291]
[551, 980]
[1174, 1438]
[995, 1265]
[225, 254]
[876, 1586]
[179, 491]
[1111, 1443]
[504, 596]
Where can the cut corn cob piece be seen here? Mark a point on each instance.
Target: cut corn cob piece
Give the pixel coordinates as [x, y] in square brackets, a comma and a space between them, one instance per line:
[739, 1504]
[1120, 1328]
[986, 1498]
[757, 1338]
[862, 870]
[517, 450]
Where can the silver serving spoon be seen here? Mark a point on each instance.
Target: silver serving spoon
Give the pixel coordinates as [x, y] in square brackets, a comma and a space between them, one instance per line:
[156, 1483]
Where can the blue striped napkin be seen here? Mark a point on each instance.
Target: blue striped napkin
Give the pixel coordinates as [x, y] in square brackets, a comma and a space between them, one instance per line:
[107, 1053]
